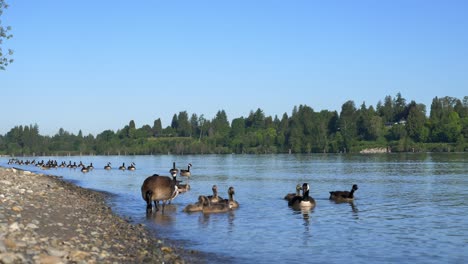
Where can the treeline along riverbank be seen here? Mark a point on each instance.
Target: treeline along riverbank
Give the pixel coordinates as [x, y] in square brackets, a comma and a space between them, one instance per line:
[394, 125]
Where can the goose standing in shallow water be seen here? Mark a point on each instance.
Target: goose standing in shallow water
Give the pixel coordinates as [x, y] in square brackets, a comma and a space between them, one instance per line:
[122, 167]
[290, 196]
[304, 201]
[158, 188]
[344, 196]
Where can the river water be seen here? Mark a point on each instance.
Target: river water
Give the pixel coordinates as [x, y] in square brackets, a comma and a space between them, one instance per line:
[409, 207]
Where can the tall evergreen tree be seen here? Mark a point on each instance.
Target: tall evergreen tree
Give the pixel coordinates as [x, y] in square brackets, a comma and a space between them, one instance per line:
[194, 125]
[183, 125]
[386, 110]
[348, 117]
[157, 127]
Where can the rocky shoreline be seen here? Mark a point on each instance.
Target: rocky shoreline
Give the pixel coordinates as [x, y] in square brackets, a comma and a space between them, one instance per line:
[44, 219]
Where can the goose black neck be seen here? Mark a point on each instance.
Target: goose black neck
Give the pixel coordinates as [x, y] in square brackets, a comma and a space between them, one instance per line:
[351, 193]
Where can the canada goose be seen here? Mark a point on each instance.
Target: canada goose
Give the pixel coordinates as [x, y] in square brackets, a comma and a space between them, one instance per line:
[183, 187]
[108, 166]
[174, 170]
[174, 194]
[230, 201]
[344, 196]
[215, 198]
[158, 188]
[91, 167]
[52, 164]
[132, 166]
[122, 167]
[290, 196]
[198, 206]
[84, 169]
[186, 173]
[304, 201]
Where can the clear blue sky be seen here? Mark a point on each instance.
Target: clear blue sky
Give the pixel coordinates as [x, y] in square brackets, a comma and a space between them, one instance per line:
[96, 65]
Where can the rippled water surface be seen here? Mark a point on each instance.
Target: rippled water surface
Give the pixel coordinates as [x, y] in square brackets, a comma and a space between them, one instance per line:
[409, 207]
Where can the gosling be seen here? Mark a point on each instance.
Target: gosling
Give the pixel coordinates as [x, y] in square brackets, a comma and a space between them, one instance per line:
[290, 196]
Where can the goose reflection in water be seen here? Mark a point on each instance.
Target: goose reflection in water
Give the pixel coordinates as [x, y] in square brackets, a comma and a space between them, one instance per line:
[164, 219]
[307, 224]
[355, 210]
[205, 219]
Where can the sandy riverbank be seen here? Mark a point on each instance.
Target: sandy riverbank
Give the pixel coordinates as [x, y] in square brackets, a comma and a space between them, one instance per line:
[44, 219]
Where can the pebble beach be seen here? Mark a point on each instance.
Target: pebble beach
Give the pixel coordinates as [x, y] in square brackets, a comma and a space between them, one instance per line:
[44, 219]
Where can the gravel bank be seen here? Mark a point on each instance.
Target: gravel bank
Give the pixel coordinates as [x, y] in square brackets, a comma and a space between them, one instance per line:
[44, 219]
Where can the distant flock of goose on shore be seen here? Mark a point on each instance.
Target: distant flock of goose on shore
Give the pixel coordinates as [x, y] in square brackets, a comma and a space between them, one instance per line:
[53, 164]
[164, 189]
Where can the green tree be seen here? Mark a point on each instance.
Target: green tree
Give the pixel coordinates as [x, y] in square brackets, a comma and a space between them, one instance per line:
[5, 58]
[282, 132]
[444, 121]
[174, 122]
[348, 117]
[183, 127]
[131, 131]
[369, 124]
[397, 132]
[306, 118]
[295, 134]
[237, 135]
[144, 132]
[415, 125]
[194, 125]
[220, 125]
[157, 127]
[386, 110]
[452, 128]
[436, 110]
[256, 119]
[202, 122]
[400, 109]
